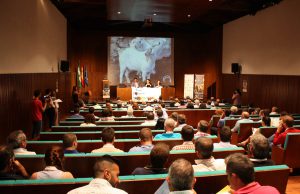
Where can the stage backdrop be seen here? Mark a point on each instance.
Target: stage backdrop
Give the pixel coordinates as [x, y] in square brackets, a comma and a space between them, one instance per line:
[141, 57]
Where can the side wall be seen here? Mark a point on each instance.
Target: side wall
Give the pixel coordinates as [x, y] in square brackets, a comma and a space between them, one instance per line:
[267, 46]
[33, 36]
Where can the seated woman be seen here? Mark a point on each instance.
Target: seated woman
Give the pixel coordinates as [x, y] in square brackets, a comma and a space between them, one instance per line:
[10, 169]
[148, 83]
[89, 121]
[54, 168]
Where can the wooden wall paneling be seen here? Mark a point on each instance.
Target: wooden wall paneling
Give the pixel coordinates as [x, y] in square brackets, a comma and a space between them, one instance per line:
[266, 90]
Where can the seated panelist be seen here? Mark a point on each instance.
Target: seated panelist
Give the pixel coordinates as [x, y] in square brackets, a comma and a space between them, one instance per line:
[148, 83]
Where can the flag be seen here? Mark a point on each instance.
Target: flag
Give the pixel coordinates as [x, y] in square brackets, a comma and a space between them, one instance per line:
[78, 75]
[81, 77]
[86, 79]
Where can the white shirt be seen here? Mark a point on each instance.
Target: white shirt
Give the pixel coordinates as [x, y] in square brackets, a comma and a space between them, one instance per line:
[224, 145]
[87, 125]
[97, 186]
[107, 148]
[210, 164]
[23, 151]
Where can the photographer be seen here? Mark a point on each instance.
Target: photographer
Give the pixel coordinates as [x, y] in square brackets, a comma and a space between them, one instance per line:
[237, 98]
[37, 110]
[50, 107]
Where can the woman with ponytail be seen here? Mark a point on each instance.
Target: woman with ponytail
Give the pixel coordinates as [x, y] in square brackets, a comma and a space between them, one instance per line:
[54, 168]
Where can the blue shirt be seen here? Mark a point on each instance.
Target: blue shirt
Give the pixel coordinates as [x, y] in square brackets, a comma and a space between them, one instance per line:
[71, 152]
[168, 136]
[143, 148]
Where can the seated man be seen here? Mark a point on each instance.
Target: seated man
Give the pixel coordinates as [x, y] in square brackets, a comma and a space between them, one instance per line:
[169, 126]
[17, 141]
[106, 171]
[10, 169]
[181, 177]
[70, 143]
[187, 134]
[225, 137]
[108, 138]
[181, 122]
[225, 115]
[76, 114]
[89, 121]
[129, 112]
[158, 158]
[106, 115]
[202, 129]
[285, 126]
[92, 112]
[244, 119]
[146, 138]
[259, 150]
[240, 173]
[150, 119]
[206, 162]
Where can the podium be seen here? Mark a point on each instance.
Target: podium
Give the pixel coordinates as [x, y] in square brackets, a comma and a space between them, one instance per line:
[126, 93]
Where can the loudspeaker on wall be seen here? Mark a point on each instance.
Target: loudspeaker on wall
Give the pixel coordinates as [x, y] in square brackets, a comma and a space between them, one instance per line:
[235, 68]
[64, 65]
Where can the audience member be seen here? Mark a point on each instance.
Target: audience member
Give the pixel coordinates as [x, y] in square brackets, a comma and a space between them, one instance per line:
[129, 112]
[274, 111]
[225, 115]
[108, 138]
[258, 150]
[106, 115]
[92, 112]
[17, 141]
[107, 172]
[187, 134]
[196, 103]
[149, 119]
[160, 124]
[206, 162]
[70, 143]
[181, 177]
[89, 121]
[240, 173]
[37, 110]
[234, 110]
[146, 138]
[285, 126]
[158, 158]
[10, 169]
[76, 114]
[244, 119]
[225, 137]
[169, 127]
[54, 167]
[202, 129]
[181, 122]
[148, 107]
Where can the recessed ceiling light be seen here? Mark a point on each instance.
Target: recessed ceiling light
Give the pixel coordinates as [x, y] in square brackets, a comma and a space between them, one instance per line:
[210, 0]
[189, 15]
[119, 12]
[154, 14]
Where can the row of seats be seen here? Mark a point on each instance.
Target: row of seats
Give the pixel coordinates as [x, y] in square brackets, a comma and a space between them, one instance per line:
[207, 182]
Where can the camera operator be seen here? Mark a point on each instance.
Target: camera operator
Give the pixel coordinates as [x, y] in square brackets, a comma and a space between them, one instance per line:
[237, 98]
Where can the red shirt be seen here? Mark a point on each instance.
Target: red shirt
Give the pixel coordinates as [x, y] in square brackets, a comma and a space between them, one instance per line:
[37, 110]
[256, 188]
[279, 138]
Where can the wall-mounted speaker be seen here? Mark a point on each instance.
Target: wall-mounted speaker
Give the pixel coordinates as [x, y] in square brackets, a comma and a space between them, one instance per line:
[235, 68]
[64, 65]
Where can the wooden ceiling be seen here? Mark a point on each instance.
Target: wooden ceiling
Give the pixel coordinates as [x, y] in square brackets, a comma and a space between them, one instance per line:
[185, 15]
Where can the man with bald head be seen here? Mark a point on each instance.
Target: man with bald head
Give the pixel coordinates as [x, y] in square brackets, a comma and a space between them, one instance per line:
[146, 138]
[106, 171]
[244, 119]
[169, 126]
[204, 148]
